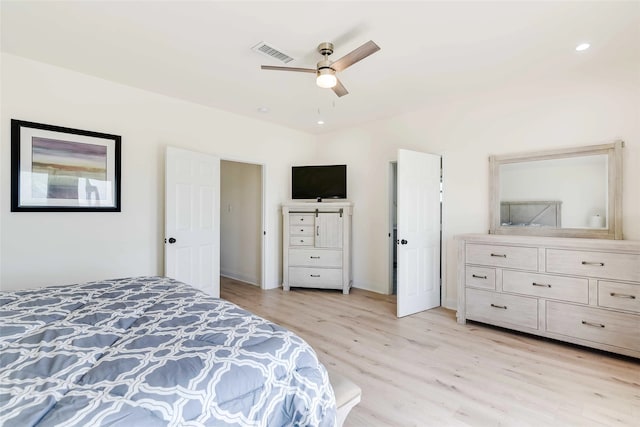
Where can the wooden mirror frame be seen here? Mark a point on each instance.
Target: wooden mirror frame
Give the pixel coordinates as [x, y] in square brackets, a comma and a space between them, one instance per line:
[614, 220]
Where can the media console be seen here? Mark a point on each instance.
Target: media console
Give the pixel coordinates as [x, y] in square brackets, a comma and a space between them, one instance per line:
[316, 245]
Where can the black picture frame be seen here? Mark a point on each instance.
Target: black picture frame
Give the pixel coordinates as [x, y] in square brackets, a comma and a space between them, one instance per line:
[60, 169]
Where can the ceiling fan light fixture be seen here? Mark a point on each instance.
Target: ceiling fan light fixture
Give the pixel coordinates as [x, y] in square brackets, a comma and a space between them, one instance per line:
[326, 78]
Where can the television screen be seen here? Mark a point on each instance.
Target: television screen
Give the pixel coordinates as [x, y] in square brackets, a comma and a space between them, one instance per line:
[319, 182]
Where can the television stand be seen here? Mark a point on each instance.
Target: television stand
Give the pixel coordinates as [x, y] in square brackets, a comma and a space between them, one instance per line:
[316, 245]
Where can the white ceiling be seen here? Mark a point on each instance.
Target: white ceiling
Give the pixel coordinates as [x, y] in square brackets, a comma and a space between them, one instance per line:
[201, 51]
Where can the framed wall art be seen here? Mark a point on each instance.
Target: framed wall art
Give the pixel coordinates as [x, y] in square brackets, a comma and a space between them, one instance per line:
[59, 169]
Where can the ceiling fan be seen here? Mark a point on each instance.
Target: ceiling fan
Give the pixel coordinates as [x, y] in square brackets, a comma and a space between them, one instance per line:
[326, 70]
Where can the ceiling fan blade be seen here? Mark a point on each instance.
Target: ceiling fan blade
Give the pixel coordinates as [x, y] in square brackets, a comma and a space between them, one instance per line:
[339, 89]
[301, 70]
[355, 55]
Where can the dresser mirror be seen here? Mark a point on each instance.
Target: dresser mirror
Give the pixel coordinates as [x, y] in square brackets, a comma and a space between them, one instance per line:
[563, 193]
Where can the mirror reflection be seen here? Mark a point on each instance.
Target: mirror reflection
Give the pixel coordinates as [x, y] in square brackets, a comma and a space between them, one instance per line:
[569, 192]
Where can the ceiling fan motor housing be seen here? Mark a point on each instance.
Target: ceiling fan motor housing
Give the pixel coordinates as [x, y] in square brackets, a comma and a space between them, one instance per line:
[325, 48]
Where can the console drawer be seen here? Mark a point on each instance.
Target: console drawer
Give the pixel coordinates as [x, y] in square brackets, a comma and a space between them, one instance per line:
[480, 277]
[623, 296]
[594, 324]
[301, 230]
[501, 309]
[523, 258]
[301, 241]
[604, 265]
[301, 219]
[315, 277]
[315, 258]
[574, 289]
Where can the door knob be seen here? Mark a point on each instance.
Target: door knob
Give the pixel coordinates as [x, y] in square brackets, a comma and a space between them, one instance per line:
[172, 240]
[403, 242]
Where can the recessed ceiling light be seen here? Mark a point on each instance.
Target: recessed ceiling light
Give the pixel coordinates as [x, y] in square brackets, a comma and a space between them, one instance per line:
[583, 46]
[320, 122]
[263, 109]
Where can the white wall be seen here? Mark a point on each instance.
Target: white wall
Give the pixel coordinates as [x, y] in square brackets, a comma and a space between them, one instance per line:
[241, 221]
[465, 130]
[61, 248]
[51, 248]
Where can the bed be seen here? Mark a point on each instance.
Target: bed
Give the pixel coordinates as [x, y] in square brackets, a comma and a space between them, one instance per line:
[151, 351]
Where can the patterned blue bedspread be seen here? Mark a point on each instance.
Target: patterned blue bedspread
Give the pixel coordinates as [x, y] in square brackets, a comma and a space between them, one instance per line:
[151, 351]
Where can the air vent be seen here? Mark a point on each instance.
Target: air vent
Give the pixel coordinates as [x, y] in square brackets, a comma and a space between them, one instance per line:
[271, 51]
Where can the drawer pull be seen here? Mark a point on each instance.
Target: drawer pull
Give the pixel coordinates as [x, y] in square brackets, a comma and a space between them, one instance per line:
[301, 241]
[478, 277]
[314, 257]
[542, 285]
[599, 264]
[613, 294]
[499, 255]
[315, 275]
[302, 229]
[595, 325]
[504, 307]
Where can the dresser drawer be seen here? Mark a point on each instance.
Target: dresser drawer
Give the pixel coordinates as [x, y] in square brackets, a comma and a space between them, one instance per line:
[480, 277]
[315, 277]
[604, 265]
[594, 324]
[301, 241]
[623, 296]
[501, 309]
[301, 230]
[315, 258]
[523, 258]
[301, 219]
[574, 289]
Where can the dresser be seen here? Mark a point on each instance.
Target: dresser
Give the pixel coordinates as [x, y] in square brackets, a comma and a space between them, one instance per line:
[316, 245]
[583, 291]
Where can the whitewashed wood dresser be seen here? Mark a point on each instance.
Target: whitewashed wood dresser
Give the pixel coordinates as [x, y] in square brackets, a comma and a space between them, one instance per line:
[583, 291]
[316, 245]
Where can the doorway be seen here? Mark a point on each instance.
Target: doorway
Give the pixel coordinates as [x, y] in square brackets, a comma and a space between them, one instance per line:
[393, 227]
[241, 221]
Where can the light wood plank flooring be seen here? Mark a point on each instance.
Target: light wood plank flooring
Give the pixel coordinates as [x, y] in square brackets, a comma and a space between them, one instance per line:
[426, 370]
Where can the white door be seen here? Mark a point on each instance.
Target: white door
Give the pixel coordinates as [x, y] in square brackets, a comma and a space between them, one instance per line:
[418, 232]
[192, 219]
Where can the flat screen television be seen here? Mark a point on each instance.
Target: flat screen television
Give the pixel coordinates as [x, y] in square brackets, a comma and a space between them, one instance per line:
[319, 182]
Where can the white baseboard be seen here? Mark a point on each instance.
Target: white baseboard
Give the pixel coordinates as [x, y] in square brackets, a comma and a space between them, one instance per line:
[239, 277]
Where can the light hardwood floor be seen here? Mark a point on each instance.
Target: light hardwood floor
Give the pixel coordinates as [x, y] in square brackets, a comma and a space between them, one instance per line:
[426, 370]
